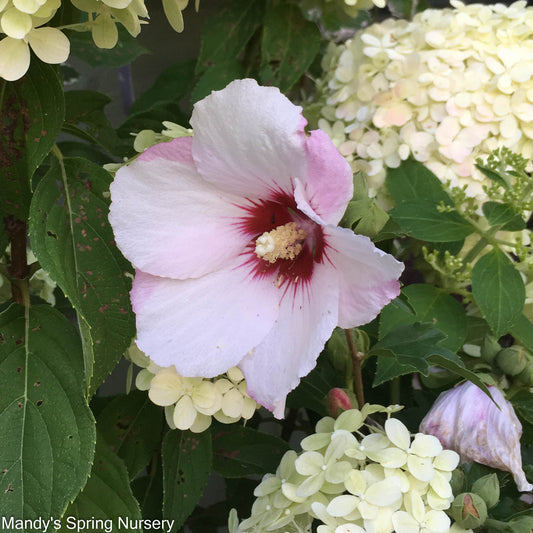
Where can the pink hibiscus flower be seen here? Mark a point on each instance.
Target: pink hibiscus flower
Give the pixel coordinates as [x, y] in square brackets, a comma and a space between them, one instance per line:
[233, 234]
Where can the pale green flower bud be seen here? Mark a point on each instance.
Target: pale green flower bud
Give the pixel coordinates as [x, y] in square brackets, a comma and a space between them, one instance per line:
[489, 348]
[488, 487]
[458, 481]
[512, 360]
[526, 376]
[469, 510]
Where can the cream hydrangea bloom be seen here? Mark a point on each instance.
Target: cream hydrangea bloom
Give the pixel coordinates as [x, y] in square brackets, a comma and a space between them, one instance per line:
[191, 403]
[20, 21]
[446, 88]
[356, 493]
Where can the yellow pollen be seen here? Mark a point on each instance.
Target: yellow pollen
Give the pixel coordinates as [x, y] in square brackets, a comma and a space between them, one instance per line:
[284, 242]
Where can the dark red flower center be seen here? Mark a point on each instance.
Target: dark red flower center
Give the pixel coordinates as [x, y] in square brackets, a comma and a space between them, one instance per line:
[285, 244]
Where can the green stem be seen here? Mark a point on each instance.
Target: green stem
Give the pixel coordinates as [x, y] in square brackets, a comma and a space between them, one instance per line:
[395, 391]
[18, 271]
[357, 359]
[474, 252]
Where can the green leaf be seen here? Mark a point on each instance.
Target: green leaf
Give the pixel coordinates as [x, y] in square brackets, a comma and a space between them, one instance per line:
[424, 221]
[503, 215]
[498, 290]
[170, 86]
[31, 114]
[107, 496]
[187, 461]
[131, 425]
[523, 404]
[430, 304]
[125, 52]
[365, 217]
[216, 78]
[240, 451]
[152, 119]
[406, 349]
[47, 428]
[72, 238]
[522, 329]
[288, 47]
[312, 391]
[412, 180]
[227, 32]
[493, 175]
[85, 118]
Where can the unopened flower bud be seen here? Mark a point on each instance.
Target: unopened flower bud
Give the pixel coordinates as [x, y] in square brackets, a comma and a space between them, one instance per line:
[526, 376]
[489, 348]
[512, 360]
[338, 401]
[488, 487]
[457, 483]
[469, 510]
[466, 420]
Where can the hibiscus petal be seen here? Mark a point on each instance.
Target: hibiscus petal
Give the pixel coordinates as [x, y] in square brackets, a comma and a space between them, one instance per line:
[249, 164]
[368, 276]
[327, 196]
[202, 326]
[290, 350]
[167, 220]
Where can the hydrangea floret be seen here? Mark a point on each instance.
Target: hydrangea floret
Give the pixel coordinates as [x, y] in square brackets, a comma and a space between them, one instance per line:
[446, 88]
[192, 403]
[233, 234]
[343, 479]
[479, 428]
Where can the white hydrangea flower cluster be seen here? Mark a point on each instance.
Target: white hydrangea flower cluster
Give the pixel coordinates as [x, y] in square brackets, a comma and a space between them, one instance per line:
[104, 15]
[21, 25]
[379, 481]
[21, 21]
[445, 88]
[191, 403]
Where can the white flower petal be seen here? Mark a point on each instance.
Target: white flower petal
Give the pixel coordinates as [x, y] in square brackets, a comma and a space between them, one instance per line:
[15, 24]
[168, 221]
[49, 44]
[397, 433]
[254, 165]
[14, 58]
[172, 317]
[184, 413]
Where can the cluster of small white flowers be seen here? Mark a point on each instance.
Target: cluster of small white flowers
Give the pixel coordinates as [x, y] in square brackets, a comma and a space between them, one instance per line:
[445, 88]
[356, 483]
[20, 22]
[191, 403]
[104, 15]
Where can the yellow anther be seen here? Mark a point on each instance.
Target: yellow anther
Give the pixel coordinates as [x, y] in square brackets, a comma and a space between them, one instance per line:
[284, 242]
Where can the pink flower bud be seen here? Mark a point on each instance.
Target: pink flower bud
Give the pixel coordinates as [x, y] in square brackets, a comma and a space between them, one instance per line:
[338, 400]
[466, 420]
